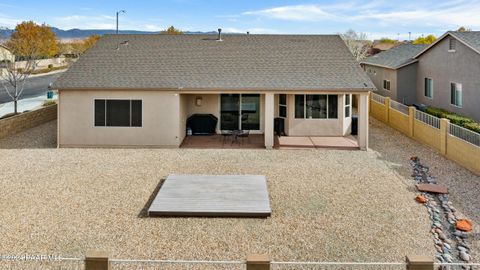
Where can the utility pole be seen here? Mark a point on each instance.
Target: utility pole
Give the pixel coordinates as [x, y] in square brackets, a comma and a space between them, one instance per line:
[118, 12]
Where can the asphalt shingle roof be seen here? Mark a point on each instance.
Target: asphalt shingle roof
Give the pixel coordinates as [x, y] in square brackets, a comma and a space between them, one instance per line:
[290, 62]
[395, 57]
[472, 38]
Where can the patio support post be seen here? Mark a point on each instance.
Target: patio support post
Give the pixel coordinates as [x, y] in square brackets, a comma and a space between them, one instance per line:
[363, 121]
[269, 117]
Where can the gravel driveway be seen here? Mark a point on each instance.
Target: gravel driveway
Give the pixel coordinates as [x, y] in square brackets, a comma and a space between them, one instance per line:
[328, 205]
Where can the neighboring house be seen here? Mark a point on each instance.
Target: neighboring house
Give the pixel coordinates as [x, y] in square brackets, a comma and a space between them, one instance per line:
[448, 74]
[394, 72]
[139, 90]
[444, 74]
[6, 57]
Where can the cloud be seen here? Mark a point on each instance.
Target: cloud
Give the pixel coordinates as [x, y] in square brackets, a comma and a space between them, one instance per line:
[294, 13]
[430, 13]
[7, 21]
[84, 22]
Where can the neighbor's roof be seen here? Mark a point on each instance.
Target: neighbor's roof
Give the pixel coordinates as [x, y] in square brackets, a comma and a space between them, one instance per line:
[263, 62]
[396, 57]
[469, 38]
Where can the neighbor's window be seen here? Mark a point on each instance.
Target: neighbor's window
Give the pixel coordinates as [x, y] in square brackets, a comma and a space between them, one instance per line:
[428, 87]
[347, 105]
[452, 44]
[456, 94]
[282, 105]
[386, 85]
[118, 113]
[316, 106]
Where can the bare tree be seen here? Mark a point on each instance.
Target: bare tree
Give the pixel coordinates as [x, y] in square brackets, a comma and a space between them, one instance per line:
[14, 78]
[357, 43]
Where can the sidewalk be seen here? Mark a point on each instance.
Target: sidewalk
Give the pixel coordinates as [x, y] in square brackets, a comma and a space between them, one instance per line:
[27, 104]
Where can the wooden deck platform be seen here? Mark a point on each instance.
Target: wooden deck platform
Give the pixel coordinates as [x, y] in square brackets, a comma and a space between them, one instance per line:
[212, 195]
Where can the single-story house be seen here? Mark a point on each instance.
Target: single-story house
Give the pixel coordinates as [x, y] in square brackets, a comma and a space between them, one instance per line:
[394, 72]
[139, 90]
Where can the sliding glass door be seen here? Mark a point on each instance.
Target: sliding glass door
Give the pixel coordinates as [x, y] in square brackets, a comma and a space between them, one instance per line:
[240, 111]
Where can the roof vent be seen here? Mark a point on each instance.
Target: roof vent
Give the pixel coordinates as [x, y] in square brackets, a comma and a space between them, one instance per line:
[219, 38]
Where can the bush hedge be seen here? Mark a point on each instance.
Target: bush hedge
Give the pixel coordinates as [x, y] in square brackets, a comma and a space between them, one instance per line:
[456, 119]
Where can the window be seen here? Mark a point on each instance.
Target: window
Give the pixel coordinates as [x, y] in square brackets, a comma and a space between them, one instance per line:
[347, 105]
[456, 94]
[386, 85]
[282, 105]
[118, 113]
[428, 87]
[316, 106]
[452, 44]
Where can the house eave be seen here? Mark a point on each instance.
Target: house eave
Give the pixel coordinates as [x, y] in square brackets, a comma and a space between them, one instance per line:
[224, 90]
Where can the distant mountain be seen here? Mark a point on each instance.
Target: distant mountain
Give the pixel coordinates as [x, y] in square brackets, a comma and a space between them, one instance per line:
[84, 33]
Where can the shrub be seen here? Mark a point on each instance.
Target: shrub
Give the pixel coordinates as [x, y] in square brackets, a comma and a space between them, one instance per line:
[49, 102]
[50, 66]
[454, 118]
[473, 127]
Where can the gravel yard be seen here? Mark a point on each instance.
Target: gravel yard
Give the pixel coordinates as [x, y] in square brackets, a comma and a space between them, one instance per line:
[327, 205]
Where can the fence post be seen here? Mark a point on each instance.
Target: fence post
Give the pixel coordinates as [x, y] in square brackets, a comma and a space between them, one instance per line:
[411, 120]
[419, 263]
[258, 262]
[97, 260]
[444, 128]
[387, 109]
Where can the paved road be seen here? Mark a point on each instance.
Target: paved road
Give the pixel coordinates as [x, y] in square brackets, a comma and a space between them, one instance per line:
[34, 87]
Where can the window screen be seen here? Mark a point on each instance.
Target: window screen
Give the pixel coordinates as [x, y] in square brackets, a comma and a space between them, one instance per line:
[118, 113]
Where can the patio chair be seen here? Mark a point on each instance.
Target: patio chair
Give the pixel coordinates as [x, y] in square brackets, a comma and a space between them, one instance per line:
[244, 135]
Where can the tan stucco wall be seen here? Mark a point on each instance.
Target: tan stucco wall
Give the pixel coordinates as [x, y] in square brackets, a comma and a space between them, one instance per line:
[160, 127]
[398, 121]
[18, 123]
[427, 134]
[315, 127]
[464, 153]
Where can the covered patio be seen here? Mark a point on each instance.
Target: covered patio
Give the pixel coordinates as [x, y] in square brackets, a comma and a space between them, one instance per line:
[256, 141]
[307, 120]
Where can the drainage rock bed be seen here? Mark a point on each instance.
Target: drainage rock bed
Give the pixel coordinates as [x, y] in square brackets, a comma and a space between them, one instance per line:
[452, 245]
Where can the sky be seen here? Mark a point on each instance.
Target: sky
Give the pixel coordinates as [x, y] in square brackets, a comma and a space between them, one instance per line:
[376, 18]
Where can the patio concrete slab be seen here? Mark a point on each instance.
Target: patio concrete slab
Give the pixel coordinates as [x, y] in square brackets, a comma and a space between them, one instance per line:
[335, 142]
[286, 142]
[212, 195]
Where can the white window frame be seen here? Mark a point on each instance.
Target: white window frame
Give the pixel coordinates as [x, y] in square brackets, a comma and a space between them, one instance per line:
[305, 107]
[457, 89]
[349, 105]
[425, 87]
[129, 99]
